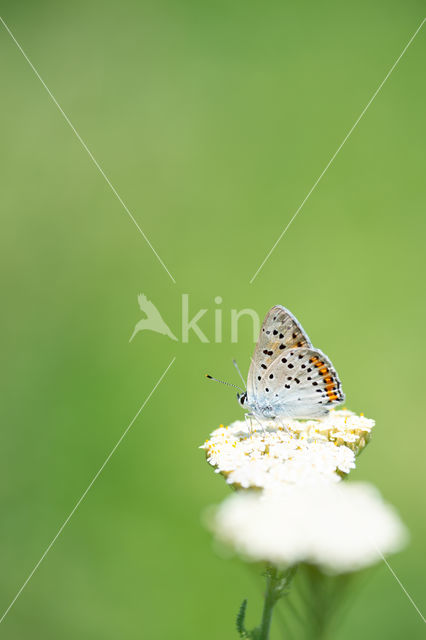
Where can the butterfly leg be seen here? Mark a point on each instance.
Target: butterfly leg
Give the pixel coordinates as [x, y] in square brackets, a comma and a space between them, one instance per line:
[285, 428]
[249, 416]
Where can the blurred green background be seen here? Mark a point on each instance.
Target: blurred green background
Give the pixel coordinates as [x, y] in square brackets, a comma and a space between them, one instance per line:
[212, 120]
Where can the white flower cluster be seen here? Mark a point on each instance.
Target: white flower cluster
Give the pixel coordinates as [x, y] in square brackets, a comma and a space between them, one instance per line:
[340, 528]
[302, 513]
[296, 451]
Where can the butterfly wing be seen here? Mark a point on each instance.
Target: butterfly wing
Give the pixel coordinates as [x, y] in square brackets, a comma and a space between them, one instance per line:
[300, 383]
[280, 330]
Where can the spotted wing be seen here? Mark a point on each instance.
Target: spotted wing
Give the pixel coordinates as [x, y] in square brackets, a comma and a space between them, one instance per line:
[280, 330]
[301, 383]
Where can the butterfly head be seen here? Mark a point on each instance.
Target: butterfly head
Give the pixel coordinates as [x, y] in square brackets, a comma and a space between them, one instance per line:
[242, 398]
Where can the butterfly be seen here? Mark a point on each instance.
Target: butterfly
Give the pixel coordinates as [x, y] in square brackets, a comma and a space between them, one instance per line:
[288, 377]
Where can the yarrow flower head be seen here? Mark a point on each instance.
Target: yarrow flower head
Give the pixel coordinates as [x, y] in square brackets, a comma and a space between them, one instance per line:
[301, 452]
[339, 528]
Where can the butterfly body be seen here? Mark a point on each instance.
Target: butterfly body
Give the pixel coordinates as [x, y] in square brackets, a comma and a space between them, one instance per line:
[288, 377]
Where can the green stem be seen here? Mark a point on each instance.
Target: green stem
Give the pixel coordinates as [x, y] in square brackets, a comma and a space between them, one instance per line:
[268, 605]
[277, 583]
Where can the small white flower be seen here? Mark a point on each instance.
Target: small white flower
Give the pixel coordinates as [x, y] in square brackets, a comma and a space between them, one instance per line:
[339, 527]
[296, 452]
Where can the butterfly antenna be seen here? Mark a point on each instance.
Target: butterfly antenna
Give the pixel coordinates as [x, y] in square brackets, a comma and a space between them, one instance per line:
[239, 372]
[228, 384]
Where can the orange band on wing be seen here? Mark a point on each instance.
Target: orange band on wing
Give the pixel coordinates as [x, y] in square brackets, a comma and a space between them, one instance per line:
[330, 383]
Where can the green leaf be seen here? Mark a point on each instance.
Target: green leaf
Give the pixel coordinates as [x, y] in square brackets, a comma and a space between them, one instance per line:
[240, 620]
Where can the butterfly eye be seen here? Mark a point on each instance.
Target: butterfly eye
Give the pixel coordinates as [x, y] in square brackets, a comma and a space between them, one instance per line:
[241, 398]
